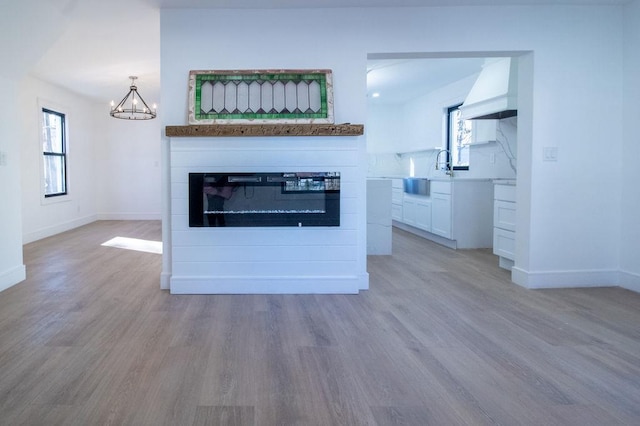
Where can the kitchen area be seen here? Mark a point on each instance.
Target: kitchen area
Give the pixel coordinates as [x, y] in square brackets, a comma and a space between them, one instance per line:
[442, 151]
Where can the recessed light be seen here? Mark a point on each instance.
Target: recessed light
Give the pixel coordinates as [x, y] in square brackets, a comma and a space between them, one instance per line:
[375, 95]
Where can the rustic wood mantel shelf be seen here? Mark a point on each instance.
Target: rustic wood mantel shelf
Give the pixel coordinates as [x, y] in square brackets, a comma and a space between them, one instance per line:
[240, 130]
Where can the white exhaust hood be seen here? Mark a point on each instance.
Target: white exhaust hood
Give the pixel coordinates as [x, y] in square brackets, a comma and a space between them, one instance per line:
[495, 93]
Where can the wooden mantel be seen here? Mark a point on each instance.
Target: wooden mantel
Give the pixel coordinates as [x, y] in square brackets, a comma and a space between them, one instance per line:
[240, 130]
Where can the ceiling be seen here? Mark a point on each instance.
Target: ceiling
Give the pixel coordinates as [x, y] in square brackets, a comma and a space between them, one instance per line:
[399, 80]
[99, 46]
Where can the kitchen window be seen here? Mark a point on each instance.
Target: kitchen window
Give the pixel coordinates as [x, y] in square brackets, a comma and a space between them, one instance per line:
[54, 151]
[458, 139]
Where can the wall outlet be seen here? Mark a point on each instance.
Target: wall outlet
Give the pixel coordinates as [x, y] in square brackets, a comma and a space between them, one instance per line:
[492, 158]
[3, 158]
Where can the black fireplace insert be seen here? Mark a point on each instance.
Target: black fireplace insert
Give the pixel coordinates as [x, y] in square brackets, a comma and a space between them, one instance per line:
[264, 199]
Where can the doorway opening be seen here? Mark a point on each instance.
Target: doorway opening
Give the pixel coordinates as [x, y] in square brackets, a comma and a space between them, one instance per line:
[408, 96]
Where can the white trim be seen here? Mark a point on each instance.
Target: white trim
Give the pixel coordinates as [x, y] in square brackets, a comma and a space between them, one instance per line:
[165, 281]
[452, 244]
[363, 280]
[12, 276]
[57, 229]
[565, 279]
[630, 281]
[128, 216]
[266, 285]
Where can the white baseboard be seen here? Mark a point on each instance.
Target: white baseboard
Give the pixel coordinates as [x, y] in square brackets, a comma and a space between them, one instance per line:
[630, 281]
[363, 281]
[129, 216]
[165, 281]
[565, 279]
[56, 229]
[12, 276]
[452, 244]
[267, 285]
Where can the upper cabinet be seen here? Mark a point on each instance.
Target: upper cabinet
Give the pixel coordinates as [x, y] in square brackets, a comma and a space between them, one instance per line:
[484, 131]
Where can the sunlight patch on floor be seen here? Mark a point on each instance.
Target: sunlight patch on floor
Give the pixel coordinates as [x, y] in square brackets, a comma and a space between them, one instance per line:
[136, 244]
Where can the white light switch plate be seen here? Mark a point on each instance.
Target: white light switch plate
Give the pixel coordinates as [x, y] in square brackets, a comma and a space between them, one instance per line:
[550, 153]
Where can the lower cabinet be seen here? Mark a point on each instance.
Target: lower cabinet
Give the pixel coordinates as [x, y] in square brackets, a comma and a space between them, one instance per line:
[396, 212]
[441, 215]
[396, 199]
[458, 210]
[504, 224]
[423, 215]
[409, 210]
[416, 211]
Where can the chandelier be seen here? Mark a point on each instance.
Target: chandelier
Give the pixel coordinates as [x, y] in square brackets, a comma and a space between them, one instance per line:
[132, 106]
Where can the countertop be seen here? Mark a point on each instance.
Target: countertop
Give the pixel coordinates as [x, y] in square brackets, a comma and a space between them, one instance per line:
[496, 181]
[504, 181]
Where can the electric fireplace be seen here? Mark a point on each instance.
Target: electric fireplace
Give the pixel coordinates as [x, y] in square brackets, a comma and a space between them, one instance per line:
[264, 199]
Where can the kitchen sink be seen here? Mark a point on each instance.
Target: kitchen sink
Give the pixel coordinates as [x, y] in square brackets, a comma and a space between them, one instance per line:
[416, 186]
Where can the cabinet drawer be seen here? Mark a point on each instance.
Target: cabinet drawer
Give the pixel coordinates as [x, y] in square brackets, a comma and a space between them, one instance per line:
[396, 212]
[505, 192]
[504, 243]
[396, 183]
[504, 215]
[396, 195]
[440, 187]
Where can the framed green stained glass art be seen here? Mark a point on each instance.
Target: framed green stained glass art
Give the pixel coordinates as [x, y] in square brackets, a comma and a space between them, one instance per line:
[260, 96]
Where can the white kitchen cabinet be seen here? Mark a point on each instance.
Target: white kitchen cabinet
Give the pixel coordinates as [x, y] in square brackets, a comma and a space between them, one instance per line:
[409, 210]
[416, 211]
[379, 229]
[441, 208]
[423, 214]
[456, 213]
[396, 212]
[484, 131]
[397, 193]
[441, 215]
[462, 211]
[504, 224]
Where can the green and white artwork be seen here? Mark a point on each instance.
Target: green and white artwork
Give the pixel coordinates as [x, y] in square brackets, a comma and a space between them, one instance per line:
[260, 96]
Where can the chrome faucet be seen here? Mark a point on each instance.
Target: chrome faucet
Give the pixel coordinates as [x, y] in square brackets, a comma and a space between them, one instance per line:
[447, 165]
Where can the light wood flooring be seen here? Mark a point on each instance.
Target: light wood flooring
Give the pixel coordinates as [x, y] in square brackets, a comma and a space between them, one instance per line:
[441, 338]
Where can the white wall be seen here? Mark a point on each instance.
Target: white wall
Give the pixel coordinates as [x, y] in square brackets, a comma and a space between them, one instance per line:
[23, 218]
[12, 269]
[411, 128]
[21, 47]
[385, 127]
[128, 168]
[630, 206]
[42, 218]
[113, 165]
[576, 105]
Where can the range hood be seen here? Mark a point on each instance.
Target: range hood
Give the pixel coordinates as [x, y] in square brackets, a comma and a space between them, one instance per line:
[495, 93]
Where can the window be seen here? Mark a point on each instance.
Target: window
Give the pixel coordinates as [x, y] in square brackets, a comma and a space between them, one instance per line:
[458, 139]
[54, 153]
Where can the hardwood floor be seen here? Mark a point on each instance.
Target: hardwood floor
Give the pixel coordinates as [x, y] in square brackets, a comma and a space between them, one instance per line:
[441, 338]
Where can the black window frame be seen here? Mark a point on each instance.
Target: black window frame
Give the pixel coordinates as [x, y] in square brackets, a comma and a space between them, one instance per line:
[62, 154]
[449, 152]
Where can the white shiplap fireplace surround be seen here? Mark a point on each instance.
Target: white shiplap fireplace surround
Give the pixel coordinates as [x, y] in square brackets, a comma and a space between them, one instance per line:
[292, 260]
